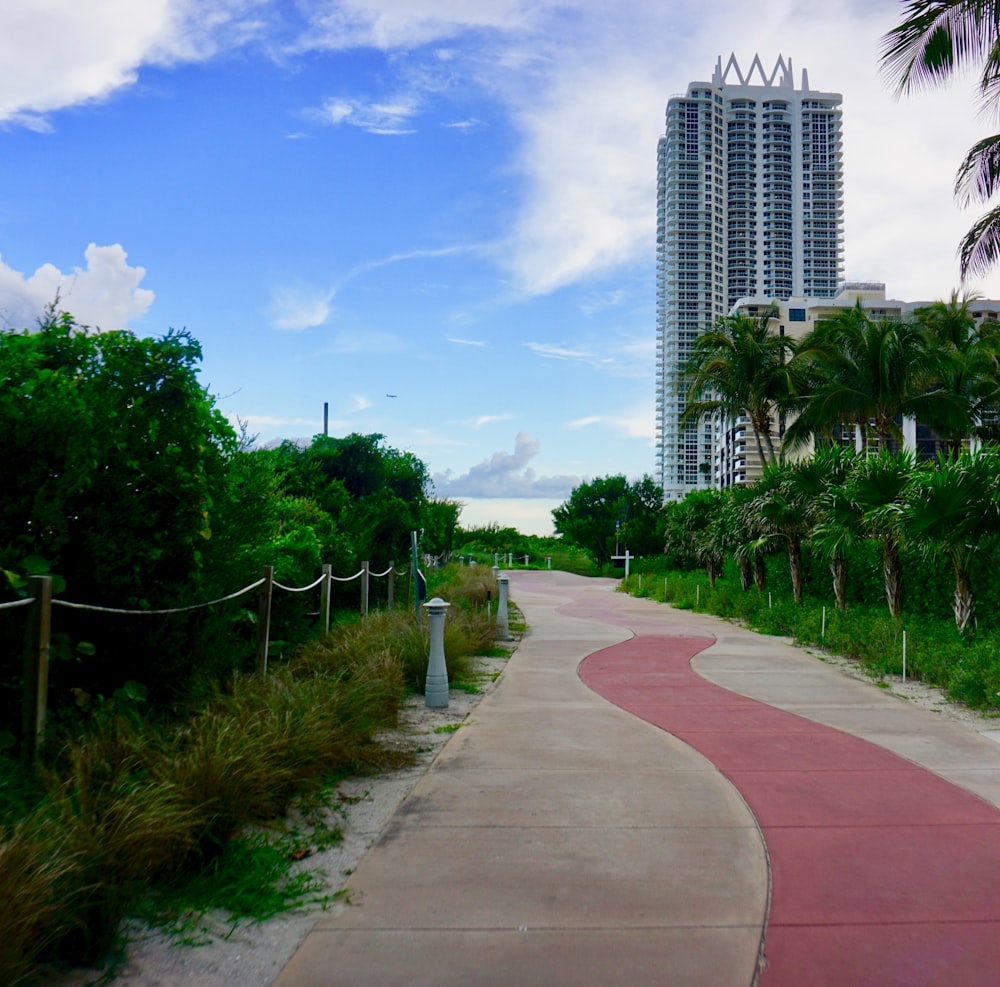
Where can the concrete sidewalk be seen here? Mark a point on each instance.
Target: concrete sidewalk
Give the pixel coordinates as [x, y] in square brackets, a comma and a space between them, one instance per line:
[559, 839]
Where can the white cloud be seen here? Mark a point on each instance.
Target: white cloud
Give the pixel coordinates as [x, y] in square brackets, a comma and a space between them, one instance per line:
[636, 423]
[359, 403]
[468, 342]
[586, 86]
[552, 351]
[105, 295]
[407, 24]
[389, 118]
[63, 52]
[486, 420]
[506, 474]
[300, 306]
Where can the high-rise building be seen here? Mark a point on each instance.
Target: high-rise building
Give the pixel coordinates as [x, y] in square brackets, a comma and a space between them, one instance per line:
[749, 203]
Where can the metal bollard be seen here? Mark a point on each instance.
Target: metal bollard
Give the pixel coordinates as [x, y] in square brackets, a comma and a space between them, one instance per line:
[503, 624]
[436, 689]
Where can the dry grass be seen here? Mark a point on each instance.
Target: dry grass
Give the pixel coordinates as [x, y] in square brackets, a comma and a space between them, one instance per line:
[131, 802]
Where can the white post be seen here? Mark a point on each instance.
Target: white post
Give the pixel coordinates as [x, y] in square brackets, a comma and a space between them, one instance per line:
[697, 595]
[904, 656]
[503, 623]
[822, 630]
[548, 561]
[436, 689]
[768, 599]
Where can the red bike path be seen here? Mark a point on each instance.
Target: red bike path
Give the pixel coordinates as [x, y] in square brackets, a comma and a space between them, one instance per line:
[882, 873]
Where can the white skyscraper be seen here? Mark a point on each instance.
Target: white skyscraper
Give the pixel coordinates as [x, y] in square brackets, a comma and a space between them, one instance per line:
[749, 203]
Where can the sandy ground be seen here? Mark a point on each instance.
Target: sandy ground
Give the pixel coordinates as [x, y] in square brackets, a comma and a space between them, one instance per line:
[253, 954]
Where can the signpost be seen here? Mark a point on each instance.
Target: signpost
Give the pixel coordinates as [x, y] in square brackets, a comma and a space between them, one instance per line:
[627, 557]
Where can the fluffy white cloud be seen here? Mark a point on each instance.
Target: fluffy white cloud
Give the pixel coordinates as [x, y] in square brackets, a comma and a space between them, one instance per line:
[105, 294]
[506, 474]
[60, 53]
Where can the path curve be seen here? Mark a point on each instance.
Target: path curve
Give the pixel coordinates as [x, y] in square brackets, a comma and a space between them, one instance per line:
[556, 840]
[883, 873]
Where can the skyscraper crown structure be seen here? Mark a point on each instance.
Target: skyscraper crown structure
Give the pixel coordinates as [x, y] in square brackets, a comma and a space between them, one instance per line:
[749, 203]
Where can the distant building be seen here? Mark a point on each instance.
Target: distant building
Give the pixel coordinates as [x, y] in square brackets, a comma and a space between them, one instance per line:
[735, 459]
[749, 204]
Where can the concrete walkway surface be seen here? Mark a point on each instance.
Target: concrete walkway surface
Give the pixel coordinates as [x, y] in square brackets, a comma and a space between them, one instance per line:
[656, 797]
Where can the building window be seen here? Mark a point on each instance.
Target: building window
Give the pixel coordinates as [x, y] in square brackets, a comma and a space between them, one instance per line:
[796, 315]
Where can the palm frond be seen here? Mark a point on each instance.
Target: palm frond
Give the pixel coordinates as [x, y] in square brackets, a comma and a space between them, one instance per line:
[979, 250]
[938, 38]
[978, 177]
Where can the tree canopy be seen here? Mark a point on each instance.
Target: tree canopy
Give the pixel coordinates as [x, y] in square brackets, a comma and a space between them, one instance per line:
[610, 511]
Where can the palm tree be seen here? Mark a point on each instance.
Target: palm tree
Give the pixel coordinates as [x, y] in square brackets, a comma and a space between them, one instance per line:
[738, 367]
[937, 39]
[955, 510]
[866, 372]
[784, 507]
[876, 492]
[835, 518]
[967, 368]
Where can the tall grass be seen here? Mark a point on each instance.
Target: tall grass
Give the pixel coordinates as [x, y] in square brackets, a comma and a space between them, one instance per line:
[135, 801]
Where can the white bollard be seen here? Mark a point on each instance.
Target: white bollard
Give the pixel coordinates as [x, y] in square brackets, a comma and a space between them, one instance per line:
[436, 689]
[503, 622]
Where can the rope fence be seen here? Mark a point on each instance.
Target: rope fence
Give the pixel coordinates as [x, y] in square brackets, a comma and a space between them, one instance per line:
[39, 629]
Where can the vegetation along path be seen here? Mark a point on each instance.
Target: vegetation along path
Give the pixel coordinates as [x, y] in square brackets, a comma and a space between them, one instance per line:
[771, 818]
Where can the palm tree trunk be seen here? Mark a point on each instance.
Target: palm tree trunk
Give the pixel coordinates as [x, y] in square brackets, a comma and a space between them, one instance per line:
[760, 448]
[770, 445]
[838, 569]
[795, 567]
[712, 568]
[746, 572]
[892, 571]
[759, 571]
[965, 601]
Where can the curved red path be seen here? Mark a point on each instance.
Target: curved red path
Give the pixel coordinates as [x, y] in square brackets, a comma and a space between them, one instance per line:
[882, 873]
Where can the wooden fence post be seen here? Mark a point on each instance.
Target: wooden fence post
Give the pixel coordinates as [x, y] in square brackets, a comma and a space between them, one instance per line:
[392, 584]
[324, 598]
[36, 666]
[264, 619]
[364, 588]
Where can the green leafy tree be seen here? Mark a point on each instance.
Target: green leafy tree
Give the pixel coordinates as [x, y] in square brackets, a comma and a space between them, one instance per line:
[691, 532]
[113, 456]
[115, 461]
[373, 493]
[738, 368]
[439, 522]
[608, 511]
[936, 40]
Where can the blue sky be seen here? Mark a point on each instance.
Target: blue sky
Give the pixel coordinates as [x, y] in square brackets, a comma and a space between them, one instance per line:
[449, 201]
